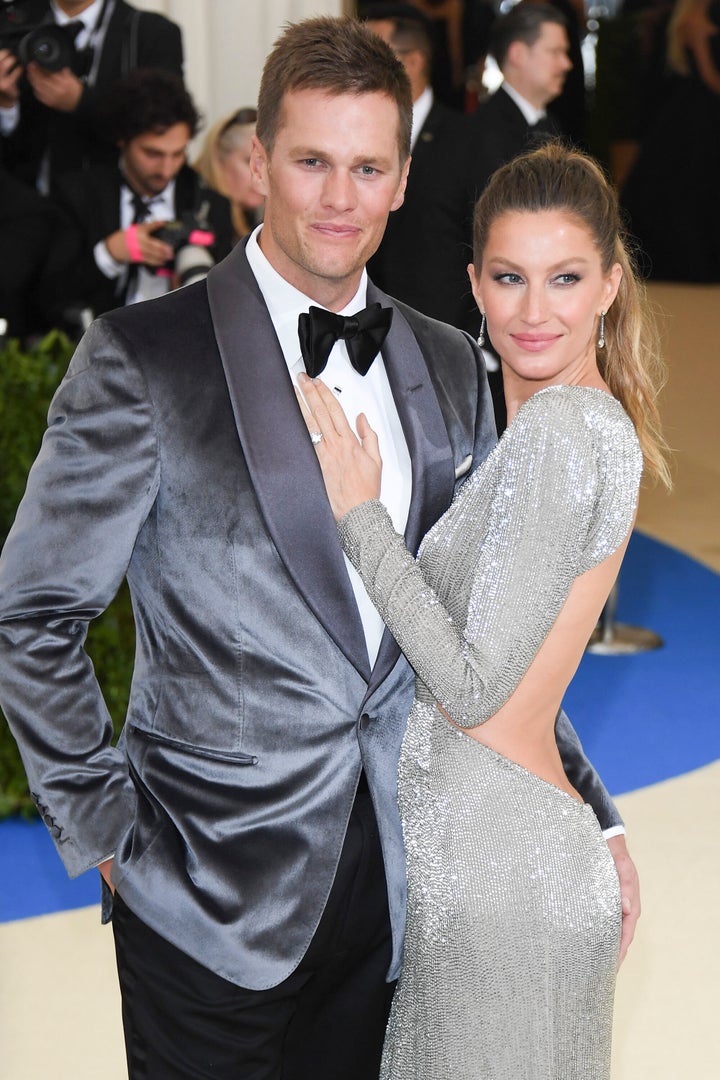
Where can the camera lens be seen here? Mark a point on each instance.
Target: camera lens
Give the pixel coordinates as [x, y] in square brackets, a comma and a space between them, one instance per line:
[48, 46]
[192, 264]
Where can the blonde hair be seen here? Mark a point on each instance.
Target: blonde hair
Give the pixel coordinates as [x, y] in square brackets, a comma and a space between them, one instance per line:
[223, 138]
[555, 178]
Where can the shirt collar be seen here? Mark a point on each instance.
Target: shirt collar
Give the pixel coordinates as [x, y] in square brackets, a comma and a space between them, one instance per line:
[88, 17]
[421, 110]
[531, 114]
[162, 206]
[285, 303]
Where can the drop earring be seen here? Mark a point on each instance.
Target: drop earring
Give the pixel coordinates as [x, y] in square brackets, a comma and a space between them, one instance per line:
[601, 331]
[481, 335]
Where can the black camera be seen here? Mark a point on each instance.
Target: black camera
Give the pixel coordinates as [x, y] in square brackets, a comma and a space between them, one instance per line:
[190, 238]
[191, 228]
[46, 44]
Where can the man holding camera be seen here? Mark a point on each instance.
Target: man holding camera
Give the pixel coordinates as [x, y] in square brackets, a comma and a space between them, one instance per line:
[59, 59]
[118, 245]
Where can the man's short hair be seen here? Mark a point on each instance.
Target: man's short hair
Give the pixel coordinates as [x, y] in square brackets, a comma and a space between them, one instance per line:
[411, 28]
[339, 56]
[523, 23]
[149, 100]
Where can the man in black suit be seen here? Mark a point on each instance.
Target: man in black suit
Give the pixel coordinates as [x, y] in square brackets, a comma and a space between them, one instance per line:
[111, 253]
[52, 121]
[427, 246]
[530, 46]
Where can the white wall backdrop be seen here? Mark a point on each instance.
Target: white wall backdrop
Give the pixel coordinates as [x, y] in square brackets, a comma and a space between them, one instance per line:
[226, 42]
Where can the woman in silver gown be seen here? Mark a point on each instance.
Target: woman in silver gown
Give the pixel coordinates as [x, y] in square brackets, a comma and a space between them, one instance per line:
[514, 914]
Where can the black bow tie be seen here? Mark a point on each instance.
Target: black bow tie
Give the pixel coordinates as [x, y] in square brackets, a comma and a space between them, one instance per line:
[363, 333]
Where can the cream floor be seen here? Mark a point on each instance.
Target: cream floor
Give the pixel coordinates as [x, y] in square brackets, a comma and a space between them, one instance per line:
[59, 1006]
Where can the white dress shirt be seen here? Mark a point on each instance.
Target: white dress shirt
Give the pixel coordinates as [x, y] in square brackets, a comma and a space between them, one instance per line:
[530, 112]
[356, 393]
[420, 112]
[88, 18]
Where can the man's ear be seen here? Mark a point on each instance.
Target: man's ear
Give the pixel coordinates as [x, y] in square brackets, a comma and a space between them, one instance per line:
[414, 63]
[516, 54]
[400, 196]
[259, 165]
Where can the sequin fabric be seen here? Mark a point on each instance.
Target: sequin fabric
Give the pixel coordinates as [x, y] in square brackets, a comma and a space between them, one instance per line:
[513, 901]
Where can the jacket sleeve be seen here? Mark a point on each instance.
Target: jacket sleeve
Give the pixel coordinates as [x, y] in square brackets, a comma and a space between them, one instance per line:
[88, 493]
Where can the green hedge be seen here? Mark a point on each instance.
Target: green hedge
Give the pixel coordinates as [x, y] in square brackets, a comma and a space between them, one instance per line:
[28, 380]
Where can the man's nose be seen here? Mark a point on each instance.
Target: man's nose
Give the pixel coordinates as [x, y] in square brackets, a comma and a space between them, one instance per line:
[168, 168]
[339, 190]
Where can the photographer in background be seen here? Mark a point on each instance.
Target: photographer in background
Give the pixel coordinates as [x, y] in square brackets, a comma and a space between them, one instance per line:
[118, 245]
[50, 116]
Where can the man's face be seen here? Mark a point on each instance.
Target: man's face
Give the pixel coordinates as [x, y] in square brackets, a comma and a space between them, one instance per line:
[545, 64]
[73, 7]
[332, 178]
[413, 60]
[151, 160]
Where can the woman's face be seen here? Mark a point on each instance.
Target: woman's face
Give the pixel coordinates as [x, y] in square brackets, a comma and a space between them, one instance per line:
[542, 289]
[237, 178]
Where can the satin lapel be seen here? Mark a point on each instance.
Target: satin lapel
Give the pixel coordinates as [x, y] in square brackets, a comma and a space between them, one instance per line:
[279, 455]
[433, 469]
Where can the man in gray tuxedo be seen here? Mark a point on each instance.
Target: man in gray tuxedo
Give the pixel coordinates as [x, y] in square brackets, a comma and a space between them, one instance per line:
[247, 820]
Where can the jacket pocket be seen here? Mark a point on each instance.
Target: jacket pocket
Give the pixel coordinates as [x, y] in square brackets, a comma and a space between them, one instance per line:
[237, 758]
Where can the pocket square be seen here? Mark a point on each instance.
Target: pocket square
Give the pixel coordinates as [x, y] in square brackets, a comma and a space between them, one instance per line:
[463, 467]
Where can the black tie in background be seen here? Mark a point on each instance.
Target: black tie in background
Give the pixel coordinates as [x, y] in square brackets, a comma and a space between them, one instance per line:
[141, 211]
[363, 334]
[82, 60]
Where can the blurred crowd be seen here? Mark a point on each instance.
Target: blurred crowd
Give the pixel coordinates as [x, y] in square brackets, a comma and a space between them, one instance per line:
[100, 207]
[98, 204]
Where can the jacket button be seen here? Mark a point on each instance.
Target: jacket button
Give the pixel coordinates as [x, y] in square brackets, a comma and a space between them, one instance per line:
[364, 721]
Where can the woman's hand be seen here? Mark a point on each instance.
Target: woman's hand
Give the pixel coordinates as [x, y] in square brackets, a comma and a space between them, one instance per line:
[351, 467]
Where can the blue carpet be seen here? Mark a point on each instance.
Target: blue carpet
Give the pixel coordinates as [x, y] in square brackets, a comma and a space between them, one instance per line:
[641, 718]
[650, 716]
[33, 880]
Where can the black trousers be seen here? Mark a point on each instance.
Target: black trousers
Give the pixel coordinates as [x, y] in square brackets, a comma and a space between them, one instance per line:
[325, 1022]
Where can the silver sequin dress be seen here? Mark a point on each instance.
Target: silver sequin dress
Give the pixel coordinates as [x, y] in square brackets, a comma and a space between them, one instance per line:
[513, 900]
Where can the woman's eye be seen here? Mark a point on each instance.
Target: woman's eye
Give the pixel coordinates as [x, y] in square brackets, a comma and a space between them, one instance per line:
[508, 279]
[567, 279]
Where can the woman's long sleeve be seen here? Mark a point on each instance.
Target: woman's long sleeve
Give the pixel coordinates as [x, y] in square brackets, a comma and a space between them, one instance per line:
[556, 497]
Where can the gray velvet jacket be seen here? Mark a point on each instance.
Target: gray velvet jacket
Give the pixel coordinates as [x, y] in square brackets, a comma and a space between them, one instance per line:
[176, 455]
